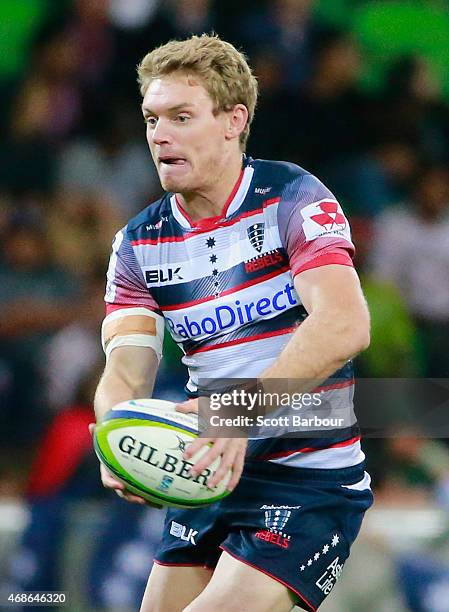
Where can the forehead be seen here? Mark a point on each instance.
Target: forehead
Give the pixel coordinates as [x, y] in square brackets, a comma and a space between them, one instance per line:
[174, 90]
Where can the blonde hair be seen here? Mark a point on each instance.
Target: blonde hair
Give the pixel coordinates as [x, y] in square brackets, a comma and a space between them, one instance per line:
[222, 69]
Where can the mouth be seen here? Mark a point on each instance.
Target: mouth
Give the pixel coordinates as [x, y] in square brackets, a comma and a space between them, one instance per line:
[168, 160]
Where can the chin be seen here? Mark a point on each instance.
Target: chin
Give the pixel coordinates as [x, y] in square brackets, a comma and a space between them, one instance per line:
[170, 185]
[174, 186]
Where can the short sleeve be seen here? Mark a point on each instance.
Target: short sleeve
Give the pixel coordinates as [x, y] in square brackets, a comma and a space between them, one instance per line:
[313, 228]
[125, 286]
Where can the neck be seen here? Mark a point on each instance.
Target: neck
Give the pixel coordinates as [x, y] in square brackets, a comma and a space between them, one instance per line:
[209, 200]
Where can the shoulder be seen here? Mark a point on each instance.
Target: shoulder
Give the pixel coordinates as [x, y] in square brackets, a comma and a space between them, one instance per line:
[289, 179]
[278, 172]
[149, 216]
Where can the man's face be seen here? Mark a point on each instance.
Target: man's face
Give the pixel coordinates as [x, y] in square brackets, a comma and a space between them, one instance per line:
[187, 140]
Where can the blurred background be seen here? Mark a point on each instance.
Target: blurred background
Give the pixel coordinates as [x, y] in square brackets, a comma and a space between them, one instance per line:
[355, 91]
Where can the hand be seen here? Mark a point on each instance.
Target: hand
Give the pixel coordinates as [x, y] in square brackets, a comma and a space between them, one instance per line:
[231, 450]
[110, 482]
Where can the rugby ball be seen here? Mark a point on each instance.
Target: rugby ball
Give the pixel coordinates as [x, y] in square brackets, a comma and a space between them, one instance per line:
[141, 442]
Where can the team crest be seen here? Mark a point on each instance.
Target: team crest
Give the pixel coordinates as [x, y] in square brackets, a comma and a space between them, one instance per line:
[276, 518]
[256, 233]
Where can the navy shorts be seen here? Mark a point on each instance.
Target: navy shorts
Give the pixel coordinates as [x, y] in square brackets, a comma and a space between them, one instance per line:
[294, 524]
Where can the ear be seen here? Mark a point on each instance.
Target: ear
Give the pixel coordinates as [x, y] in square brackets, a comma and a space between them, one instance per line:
[236, 120]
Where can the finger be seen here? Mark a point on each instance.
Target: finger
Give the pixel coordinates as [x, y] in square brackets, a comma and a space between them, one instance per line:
[233, 459]
[188, 406]
[109, 480]
[136, 499]
[91, 428]
[213, 453]
[195, 446]
[111, 483]
[226, 463]
[237, 470]
[133, 499]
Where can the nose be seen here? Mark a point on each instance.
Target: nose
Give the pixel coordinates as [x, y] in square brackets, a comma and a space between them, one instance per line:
[160, 133]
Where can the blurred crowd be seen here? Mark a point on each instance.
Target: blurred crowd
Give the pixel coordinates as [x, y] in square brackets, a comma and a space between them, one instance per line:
[348, 90]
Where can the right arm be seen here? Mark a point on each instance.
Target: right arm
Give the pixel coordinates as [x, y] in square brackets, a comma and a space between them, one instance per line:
[132, 337]
[129, 374]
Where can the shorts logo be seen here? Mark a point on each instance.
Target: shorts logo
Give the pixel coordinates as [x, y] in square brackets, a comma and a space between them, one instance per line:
[179, 531]
[256, 233]
[276, 518]
[280, 539]
[326, 581]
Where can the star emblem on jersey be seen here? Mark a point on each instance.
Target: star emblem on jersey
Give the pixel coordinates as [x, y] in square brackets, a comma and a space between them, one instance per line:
[256, 233]
[213, 258]
[330, 218]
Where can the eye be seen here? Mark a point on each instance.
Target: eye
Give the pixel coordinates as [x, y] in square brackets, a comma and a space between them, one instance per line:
[182, 118]
[151, 121]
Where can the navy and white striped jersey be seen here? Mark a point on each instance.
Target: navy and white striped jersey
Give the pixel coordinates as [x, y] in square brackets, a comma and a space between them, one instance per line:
[225, 285]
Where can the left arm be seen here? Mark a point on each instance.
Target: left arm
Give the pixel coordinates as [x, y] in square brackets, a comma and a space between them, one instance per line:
[336, 329]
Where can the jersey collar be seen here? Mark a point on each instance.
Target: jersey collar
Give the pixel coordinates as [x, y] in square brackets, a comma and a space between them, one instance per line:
[232, 205]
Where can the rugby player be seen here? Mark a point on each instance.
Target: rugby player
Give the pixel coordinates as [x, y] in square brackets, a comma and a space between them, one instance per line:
[248, 263]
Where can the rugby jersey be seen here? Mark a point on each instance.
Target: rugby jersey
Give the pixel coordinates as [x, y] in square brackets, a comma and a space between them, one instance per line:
[225, 287]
